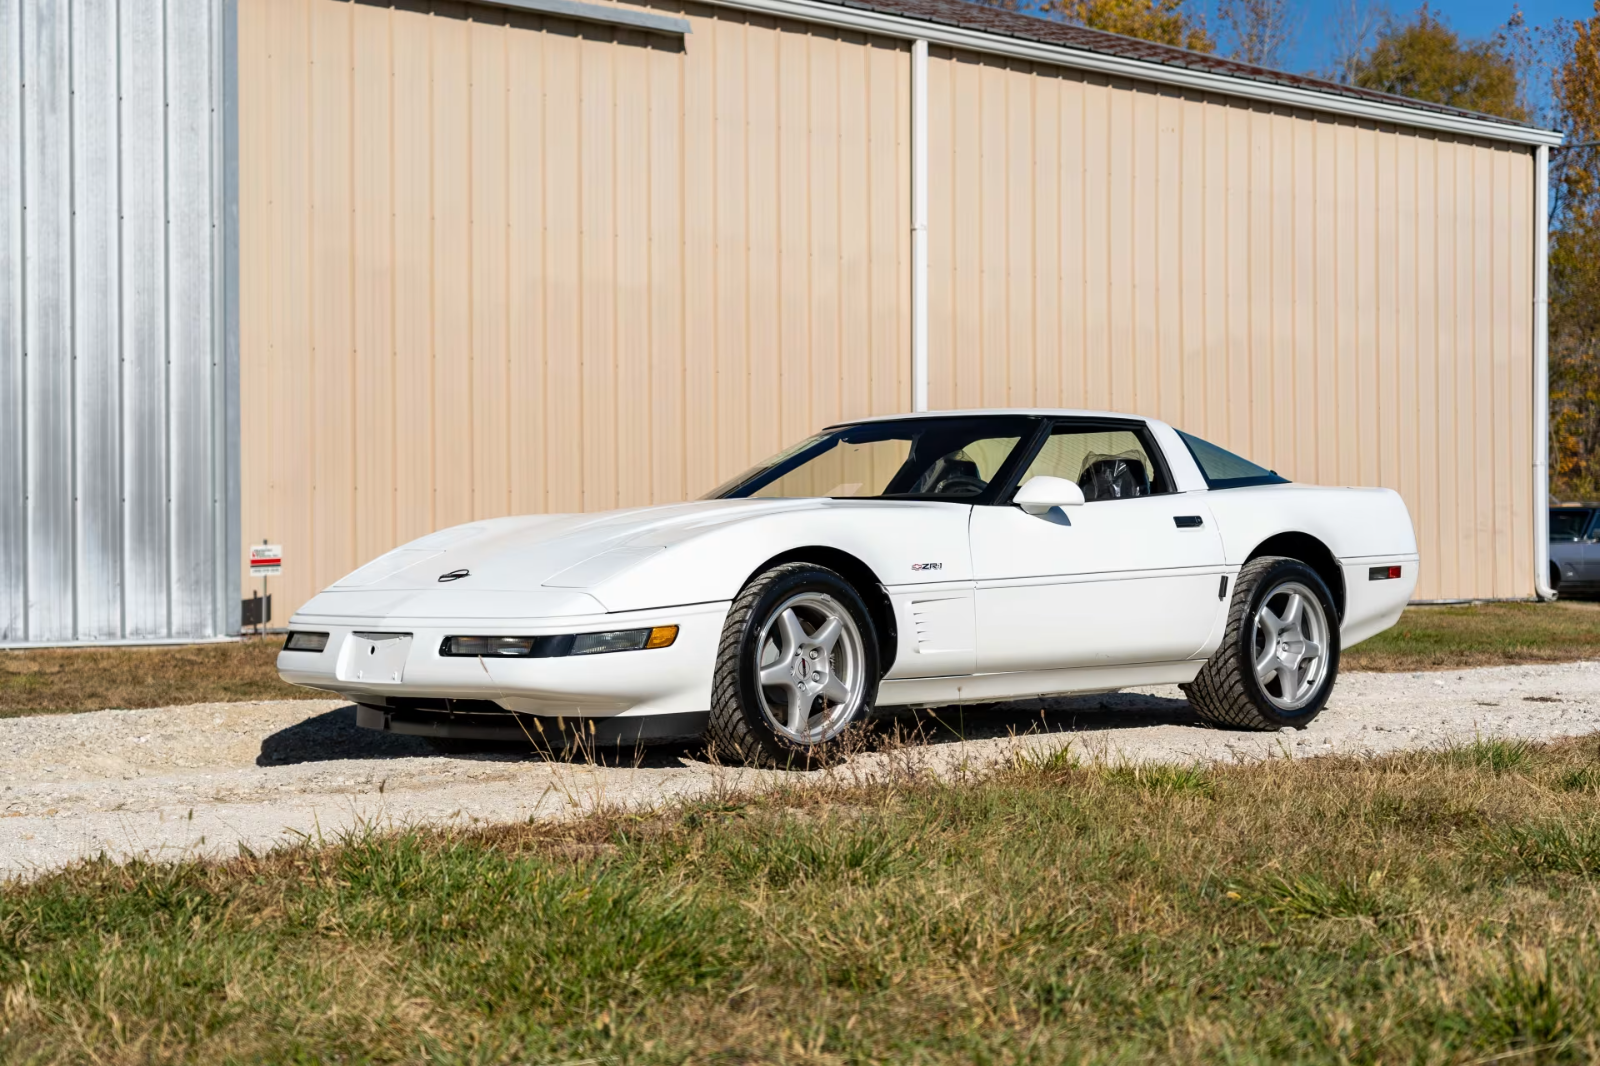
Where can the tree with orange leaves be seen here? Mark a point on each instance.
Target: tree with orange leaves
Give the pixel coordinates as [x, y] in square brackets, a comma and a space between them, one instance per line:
[1575, 268]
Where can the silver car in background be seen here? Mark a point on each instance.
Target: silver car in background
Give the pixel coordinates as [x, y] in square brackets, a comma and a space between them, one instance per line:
[1575, 549]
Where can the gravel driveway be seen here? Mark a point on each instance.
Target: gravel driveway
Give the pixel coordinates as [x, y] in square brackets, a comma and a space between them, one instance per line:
[208, 778]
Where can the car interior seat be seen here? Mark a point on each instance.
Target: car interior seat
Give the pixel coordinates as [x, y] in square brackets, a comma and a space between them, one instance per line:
[1114, 477]
[951, 475]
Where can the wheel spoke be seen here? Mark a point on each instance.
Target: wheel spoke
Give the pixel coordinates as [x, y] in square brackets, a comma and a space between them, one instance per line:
[778, 675]
[1309, 650]
[1288, 682]
[1267, 664]
[791, 633]
[835, 690]
[1291, 612]
[799, 709]
[827, 635]
[1271, 623]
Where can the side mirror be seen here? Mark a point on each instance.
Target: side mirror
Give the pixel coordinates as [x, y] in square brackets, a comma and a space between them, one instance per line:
[1042, 493]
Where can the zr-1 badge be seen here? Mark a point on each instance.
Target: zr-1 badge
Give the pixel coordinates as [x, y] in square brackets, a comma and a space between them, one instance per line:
[927, 566]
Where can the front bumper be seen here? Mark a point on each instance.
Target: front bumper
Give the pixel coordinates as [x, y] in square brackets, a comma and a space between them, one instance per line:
[377, 661]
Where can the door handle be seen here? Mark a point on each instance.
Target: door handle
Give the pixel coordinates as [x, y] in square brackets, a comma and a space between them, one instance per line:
[1188, 521]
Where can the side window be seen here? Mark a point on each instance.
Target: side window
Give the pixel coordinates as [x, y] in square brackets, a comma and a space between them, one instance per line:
[1224, 470]
[1106, 463]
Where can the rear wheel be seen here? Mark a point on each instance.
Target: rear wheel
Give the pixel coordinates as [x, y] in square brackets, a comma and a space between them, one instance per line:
[797, 666]
[1280, 655]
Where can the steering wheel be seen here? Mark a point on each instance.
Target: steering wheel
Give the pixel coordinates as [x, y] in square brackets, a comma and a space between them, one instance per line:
[959, 485]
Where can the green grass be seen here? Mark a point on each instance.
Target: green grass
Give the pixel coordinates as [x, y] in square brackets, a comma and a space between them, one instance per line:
[1437, 907]
[66, 680]
[1485, 634]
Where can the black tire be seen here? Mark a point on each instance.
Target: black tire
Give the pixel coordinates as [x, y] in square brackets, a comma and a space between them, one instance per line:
[742, 726]
[1227, 690]
[1555, 579]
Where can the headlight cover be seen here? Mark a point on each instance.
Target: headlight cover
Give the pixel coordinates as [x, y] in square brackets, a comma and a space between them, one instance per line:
[555, 647]
[300, 640]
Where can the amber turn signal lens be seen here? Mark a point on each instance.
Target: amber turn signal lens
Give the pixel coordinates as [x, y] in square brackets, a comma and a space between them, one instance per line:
[662, 637]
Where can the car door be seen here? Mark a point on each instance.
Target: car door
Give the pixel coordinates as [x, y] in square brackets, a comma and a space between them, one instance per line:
[1569, 535]
[1588, 552]
[1132, 576]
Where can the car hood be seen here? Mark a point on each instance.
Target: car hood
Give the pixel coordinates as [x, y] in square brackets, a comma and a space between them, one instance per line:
[537, 563]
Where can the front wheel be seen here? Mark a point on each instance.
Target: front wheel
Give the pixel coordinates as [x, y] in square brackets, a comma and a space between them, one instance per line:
[798, 664]
[1280, 655]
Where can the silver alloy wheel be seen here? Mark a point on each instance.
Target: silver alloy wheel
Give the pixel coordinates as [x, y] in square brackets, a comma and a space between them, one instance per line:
[1289, 644]
[809, 662]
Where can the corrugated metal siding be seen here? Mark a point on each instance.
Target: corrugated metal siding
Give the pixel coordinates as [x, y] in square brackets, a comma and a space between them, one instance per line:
[501, 264]
[1350, 304]
[110, 353]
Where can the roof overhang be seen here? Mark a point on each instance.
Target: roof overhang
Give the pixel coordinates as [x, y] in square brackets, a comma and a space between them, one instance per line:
[898, 26]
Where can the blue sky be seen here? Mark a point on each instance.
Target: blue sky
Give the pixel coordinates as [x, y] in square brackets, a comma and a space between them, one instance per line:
[1471, 18]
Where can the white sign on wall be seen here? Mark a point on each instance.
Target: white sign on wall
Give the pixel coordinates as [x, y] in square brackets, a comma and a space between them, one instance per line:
[266, 560]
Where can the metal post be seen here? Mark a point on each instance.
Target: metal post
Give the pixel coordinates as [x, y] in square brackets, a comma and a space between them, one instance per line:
[1541, 375]
[919, 225]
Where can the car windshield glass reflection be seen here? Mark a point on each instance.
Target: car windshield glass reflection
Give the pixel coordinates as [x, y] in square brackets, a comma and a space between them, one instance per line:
[1568, 525]
[952, 459]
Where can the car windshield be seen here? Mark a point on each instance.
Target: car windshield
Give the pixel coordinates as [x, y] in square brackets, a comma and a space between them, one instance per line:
[1568, 525]
[920, 458]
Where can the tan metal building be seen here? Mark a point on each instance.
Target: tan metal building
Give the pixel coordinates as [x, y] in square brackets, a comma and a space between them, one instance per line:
[553, 256]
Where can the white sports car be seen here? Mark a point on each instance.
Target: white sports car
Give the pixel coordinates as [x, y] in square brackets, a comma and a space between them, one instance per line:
[907, 561]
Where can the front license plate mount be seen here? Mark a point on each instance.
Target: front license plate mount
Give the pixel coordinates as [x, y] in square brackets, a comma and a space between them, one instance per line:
[375, 658]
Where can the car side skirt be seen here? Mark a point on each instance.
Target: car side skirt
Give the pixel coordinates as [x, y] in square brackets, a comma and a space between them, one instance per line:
[940, 691]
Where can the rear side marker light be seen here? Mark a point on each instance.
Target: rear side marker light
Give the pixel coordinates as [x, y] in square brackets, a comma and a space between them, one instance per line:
[301, 641]
[1383, 573]
[556, 647]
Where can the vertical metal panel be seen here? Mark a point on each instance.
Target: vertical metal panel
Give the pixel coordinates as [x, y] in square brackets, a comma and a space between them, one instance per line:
[192, 275]
[13, 407]
[96, 281]
[47, 316]
[622, 266]
[112, 391]
[146, 560]
[1344, 301]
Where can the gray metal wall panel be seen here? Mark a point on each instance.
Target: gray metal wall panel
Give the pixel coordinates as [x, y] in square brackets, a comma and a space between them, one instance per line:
[47, 316]
[13, 513]
[95, 328]
[114, 468]
[189, 315]
[144, 316]
[227, 385]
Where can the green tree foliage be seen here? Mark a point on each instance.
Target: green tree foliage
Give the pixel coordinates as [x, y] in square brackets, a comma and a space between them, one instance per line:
[1575, 268]
[1426, 60]
[1162, 21]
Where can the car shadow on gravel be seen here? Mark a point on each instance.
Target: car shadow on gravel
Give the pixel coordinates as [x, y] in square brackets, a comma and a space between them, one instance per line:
[335, 735]
[1064, 714]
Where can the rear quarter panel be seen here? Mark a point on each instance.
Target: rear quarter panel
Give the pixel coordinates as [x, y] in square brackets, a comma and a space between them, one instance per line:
[1363, 528]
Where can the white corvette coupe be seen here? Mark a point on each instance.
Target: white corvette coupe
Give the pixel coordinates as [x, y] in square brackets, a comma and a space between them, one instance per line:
[907, 561]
